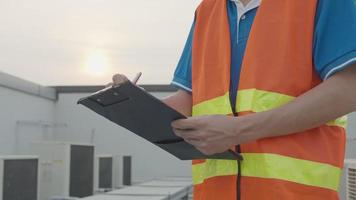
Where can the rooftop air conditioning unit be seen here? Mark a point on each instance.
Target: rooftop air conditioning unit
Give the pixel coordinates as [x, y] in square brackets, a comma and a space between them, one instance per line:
[66, 170]
[19, 178]
[122, 169]
[351, 179]
[103, 173]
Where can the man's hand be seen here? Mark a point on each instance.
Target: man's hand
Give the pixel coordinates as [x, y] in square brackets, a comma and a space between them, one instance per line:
[212, 134]
[119, 79]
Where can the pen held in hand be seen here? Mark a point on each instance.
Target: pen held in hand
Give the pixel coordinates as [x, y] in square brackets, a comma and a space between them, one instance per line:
[135, 80]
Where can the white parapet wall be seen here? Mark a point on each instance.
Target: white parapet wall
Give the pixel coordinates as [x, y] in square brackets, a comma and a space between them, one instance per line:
[24, 86]
[26, 112]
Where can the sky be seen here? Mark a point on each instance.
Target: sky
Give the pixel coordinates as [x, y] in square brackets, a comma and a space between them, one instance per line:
[84, 42]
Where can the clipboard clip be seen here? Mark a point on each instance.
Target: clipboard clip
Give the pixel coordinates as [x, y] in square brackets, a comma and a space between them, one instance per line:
[109, 97]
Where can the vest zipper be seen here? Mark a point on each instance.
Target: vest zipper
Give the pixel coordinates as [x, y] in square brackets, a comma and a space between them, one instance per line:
[238, 179]
[238, 182]
[238, 150]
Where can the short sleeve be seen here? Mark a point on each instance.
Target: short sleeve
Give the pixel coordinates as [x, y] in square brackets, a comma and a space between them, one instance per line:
[183, 73]
[335, 36]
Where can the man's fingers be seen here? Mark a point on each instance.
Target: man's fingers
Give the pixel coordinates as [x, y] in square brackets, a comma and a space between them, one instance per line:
[109, 85]
[187, 134]
[205, 151]
[195, 143]
[190, 123]
[118, 79]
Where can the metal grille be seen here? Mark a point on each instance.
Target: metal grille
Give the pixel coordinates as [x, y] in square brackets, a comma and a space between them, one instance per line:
[105, 173]
[20, 179]
[81, 171]
[351, 182]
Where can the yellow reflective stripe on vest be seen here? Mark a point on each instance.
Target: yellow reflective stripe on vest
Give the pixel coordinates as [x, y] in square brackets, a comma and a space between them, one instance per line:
[217, 106]
[250, 100]
[258, 101]
[272, 166]
[341, 122]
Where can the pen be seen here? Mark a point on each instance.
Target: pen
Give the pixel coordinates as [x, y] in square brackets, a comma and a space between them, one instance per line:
[138, 75]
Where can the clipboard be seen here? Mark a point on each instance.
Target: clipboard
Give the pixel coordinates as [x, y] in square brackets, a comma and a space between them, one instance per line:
[146, 116]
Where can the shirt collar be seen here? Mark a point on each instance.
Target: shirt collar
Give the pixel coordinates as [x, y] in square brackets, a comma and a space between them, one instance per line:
[250, 6]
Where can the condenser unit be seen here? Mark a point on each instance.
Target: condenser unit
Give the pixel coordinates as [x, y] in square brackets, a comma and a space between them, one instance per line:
[66, 169]
[351, 179]
[103, 173]
[122, 169]
[19, 178]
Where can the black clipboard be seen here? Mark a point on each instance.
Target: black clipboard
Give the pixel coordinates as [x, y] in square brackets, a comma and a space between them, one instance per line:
[141, 113]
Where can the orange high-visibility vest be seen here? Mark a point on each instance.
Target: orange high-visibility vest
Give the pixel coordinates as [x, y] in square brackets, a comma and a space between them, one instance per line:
[277, 68]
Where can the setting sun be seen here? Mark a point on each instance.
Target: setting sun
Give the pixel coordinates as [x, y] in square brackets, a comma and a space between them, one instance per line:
[97, 63]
